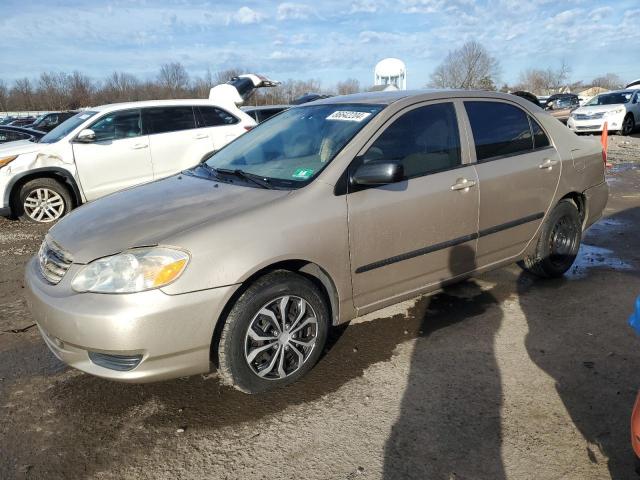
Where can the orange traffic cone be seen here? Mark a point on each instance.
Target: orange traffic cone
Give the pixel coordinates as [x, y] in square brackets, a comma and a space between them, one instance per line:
[604, 140]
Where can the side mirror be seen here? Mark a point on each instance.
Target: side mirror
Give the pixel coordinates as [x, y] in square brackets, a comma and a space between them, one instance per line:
[381, 173]
[86, 136]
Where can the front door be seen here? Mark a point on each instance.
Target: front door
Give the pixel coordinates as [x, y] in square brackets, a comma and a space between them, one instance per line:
[419, 231]
[518, 170]
[118, 158]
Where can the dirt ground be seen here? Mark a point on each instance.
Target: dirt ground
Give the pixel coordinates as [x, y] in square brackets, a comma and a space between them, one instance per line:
[500, 377]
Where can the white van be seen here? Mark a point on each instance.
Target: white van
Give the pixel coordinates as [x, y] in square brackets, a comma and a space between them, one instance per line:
[111, 147]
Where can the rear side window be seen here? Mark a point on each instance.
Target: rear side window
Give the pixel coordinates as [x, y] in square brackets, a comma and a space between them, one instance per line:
[540, 139]
[499, 129]
[425, 140]
[214, 117]
[168, 119]
[117, 125]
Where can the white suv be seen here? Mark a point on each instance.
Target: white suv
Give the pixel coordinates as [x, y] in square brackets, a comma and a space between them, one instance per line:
[108, 148]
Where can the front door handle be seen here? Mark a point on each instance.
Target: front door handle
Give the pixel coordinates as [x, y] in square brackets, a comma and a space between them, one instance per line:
[200, 135]
[138, 146]
[463, 184]
[548, 163]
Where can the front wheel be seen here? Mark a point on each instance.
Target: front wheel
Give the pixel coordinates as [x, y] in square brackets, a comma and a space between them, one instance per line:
[43, 200]
[628, 124]
[274, 333]
[558, 244]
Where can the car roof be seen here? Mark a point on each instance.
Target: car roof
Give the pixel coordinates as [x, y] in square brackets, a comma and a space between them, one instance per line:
[154, 103]
[387, 98]
[249, 108]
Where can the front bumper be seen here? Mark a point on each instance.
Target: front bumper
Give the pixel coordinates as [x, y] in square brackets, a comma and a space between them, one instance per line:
[595, 125]
[171, 334]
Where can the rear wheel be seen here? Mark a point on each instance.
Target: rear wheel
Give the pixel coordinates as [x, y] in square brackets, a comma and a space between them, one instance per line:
[274, 333]
[42, 200]
[558, 243]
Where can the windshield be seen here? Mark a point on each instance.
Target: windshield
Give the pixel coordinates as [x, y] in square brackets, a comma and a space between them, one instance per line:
[291, 148]
[610, 99]
[66, 127]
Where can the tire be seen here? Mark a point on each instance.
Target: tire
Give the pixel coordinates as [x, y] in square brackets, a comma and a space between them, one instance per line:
[251, 365]
[42, 200]
[628, 125]
[558, 243]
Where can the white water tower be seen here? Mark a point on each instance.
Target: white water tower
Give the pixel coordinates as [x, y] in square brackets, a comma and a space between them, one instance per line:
[391, 71]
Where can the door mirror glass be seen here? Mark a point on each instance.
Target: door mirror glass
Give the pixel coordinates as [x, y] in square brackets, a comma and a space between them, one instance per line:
[379, 173]
[86, 136]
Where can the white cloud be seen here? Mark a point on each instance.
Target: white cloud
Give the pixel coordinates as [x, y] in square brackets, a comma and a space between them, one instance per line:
[246, 16]
[600, 13]
[294, 11]
[364, 6]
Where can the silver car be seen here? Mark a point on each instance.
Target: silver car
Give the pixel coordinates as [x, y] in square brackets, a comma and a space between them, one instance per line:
[328, 211]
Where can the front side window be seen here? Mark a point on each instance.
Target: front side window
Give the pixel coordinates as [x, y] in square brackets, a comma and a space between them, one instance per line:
[66, 127]
[168, 119]
[118, 125]
[292, 148]
[499, 129]
[214, 117]
[424, 140]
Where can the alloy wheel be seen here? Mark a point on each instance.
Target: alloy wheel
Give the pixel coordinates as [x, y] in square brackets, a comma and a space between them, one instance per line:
[281, 337]
[43, 205]
[627, 125]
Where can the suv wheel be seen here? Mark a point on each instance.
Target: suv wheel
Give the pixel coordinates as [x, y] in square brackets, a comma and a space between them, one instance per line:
[274, 334]
[558, 244]
[628, 124]
[43, 200]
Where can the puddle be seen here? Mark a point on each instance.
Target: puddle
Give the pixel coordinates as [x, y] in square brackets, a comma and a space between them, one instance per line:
[590, 257]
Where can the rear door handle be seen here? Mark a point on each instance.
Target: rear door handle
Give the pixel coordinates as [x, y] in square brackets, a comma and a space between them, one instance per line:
[200, 135]
[138, 146]
[548, 163]
[463, 184]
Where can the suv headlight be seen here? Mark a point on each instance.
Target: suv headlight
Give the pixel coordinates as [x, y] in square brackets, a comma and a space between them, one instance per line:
[7, 160]
[617, 111]
[134, 270]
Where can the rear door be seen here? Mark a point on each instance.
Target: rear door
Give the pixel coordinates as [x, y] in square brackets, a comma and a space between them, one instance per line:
[518, 170]
[422, 230]
[118, 158]
[220, 125]
[175, 141]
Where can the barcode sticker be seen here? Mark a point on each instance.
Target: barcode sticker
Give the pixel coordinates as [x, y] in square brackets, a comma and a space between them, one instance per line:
[347, 116]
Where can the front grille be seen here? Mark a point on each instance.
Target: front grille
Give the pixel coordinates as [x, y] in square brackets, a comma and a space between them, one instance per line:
[593, 116]
[121, 363]
[54, 261]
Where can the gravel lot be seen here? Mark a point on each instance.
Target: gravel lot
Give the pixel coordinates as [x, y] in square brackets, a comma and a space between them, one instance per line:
[504, 376]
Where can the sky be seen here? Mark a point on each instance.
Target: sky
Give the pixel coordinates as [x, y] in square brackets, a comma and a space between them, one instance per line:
[328, 40]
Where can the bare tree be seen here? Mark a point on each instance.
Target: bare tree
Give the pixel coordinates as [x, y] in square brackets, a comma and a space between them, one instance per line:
[224, 76]
[22, 95]
[471, 66]
[4, 96]
[544, 82]
[610, 81]
[119, 87]
[174, 79]
[350, 85]
[79, 89]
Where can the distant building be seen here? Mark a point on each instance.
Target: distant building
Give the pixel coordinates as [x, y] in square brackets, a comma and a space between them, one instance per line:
[391, 71]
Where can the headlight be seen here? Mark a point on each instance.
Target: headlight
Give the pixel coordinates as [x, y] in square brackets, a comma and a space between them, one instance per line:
[132, 271]
[617, 111]
[7, 160]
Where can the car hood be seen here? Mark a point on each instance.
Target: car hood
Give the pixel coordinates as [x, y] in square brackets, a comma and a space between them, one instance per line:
[598, 108]
[150, 214]
[18, 147]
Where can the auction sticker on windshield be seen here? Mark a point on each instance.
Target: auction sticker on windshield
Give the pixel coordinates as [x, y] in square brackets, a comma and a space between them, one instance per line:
[348, 116]
[303, 173]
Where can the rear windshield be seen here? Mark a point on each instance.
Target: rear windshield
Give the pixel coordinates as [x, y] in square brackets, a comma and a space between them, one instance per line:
[294, 146]
[66, 127]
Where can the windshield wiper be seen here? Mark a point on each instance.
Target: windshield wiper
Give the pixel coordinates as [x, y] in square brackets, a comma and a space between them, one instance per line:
[255, 179]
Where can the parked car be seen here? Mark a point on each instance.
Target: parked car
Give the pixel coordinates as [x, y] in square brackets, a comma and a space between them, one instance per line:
[6, 120]
[22, 121]
[561, 105]
[264, 112]
[48, 121]
[111, 147]
[620, 109]
[9, 133]
[328, 211]
[528, 96]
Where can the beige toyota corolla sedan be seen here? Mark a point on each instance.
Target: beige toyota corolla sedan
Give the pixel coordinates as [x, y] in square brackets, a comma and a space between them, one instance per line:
[327, 211]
